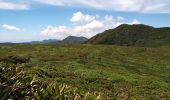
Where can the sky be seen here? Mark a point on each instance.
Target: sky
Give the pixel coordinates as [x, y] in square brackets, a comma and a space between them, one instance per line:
[35, 20]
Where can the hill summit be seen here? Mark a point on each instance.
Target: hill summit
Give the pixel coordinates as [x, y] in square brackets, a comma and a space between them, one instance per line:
[74, 40]
[133, 35]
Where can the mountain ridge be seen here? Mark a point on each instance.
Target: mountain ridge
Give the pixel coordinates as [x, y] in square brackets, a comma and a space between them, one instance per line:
[67, 40]
[133, 35]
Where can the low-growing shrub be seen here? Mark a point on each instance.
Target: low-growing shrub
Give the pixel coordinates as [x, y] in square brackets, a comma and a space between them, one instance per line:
[15, 59]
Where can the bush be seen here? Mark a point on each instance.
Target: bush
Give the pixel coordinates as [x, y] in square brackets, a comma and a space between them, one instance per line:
[15, 59]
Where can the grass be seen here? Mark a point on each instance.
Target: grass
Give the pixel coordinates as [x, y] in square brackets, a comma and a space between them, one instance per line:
[142, 73]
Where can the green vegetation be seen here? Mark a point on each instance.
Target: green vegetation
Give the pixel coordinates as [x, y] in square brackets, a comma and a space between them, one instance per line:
[105, 71]
[16, 83]
[134, 35]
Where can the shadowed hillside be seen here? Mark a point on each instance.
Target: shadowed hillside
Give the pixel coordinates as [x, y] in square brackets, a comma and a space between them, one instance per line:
[74, 39]
[134, 35]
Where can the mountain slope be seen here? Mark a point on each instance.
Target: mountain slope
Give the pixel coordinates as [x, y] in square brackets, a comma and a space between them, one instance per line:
[74, 40]
[133, 35]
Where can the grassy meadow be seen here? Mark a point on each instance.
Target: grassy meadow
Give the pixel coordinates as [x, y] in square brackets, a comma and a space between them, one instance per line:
[141, 73]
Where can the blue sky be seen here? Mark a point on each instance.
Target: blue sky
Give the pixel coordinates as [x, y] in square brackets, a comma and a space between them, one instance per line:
[30, 20]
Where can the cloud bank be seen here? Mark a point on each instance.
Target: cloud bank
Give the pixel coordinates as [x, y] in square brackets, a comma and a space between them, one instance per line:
[141, 6]
[86, 25]
[13, 6]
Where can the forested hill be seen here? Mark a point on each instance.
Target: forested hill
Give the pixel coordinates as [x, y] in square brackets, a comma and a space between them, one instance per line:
[134, 35]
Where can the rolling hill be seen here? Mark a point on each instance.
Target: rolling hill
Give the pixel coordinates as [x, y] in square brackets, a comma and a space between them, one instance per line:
[74, 39]
[134, 35]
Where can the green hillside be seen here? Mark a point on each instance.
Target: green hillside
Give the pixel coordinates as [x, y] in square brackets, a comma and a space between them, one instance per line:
[134, 35]
[73, 40]
[27, 71]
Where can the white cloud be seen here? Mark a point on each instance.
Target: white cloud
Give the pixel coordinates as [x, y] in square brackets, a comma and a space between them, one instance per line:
[108, 18]
[117, 24]
[112, 22]
[53, 30]
[86, 25]
[87, 29]
[13, 6]
[120, 18]
[135, 21]
[141, 6]
[59, 32]
[52, 2]
[80, 17]
[108, 21]
[10, 27]
[93, 25]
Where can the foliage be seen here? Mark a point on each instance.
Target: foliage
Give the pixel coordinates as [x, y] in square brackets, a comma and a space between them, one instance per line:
[15, 83]
[112, 71]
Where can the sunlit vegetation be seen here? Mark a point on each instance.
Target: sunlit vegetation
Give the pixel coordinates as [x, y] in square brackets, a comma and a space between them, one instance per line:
[87, 72]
